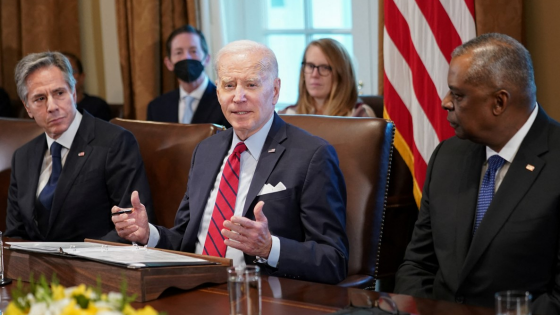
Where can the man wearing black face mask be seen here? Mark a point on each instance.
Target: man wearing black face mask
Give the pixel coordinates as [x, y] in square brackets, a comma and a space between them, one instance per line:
[195, 100]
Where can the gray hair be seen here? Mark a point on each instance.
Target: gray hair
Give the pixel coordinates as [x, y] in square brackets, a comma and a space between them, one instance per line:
[268, 62]
[34, 62]
[499, 59]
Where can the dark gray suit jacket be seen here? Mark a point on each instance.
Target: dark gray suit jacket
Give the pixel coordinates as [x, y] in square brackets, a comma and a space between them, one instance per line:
[165, 108]
[309, 217]
[109, 170]
[516, 246]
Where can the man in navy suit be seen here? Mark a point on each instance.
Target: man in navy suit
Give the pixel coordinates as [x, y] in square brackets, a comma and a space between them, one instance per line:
[65, 181]
[289, 211]
[490, 214]
[195, 100]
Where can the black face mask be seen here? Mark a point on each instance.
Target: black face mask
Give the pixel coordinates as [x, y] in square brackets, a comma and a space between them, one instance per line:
[188, 70]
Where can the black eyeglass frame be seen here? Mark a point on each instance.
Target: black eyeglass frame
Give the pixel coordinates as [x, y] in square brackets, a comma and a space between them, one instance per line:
[320, 68]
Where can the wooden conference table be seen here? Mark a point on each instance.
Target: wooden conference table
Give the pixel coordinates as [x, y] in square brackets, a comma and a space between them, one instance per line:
[279, 295]
[291, 297]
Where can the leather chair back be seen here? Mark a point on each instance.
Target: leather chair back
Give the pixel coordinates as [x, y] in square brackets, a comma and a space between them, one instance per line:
[401, 212]
[364, 148]
[167, 150]
[14, 133]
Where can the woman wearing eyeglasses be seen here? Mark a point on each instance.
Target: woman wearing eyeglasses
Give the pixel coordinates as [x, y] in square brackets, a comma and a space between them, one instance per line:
[327, 83]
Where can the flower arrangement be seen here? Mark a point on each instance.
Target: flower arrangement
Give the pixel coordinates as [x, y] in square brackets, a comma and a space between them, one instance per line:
[42, 299]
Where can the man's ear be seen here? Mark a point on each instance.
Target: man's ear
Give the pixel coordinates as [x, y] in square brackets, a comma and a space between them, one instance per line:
[501, 102]
[168, 64]
[277, 84]
[206, 60]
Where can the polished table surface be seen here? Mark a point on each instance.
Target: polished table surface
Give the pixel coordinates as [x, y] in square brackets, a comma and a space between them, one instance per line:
[285, 296]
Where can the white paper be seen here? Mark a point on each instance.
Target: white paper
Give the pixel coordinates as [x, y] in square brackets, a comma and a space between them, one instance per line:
[132, 256]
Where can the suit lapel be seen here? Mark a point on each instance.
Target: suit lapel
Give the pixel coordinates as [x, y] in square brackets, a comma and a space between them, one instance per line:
[204, 109]
[516, 183]
[267, 159]
[34, 164]
[466, 202]
[207, 176]
[73, 164]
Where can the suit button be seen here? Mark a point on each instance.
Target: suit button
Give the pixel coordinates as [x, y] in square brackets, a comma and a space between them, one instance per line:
[459, 299]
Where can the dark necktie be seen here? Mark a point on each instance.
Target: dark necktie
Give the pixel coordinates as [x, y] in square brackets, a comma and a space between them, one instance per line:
[486, 192]
[225, 203]
[46, 195]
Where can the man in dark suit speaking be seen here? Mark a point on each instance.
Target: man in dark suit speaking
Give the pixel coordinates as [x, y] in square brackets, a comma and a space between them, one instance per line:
[261, 192]
[64, 182]
[195, 100]
[490, 213]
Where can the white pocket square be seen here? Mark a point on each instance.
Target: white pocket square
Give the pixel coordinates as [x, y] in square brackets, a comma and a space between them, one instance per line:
[268, 188]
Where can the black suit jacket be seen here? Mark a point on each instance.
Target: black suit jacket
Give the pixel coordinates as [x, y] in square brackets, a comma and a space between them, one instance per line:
[309, 217]
[165, 108]
[107, 172]
[516, 246]
[96, 106]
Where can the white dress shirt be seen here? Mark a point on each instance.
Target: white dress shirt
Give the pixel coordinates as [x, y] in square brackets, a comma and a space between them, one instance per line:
[509, 151]
[65, 140]
[249, 160]
[196, 94]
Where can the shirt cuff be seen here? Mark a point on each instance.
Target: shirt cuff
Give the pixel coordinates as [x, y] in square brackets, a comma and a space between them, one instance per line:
[274, 254]
[154, 236]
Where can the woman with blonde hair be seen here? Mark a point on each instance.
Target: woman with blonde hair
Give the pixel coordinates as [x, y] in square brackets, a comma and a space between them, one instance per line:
[327, 83]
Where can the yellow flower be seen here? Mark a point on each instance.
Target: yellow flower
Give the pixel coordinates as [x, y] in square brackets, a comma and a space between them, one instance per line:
[148, 310]
[58, 292]
[128, 310]
[12, 309]
[83, 290]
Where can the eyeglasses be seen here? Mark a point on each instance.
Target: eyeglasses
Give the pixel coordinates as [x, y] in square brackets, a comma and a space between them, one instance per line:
[324, 70]
[362, 303]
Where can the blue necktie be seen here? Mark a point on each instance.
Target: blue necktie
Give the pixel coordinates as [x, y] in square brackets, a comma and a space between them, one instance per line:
[486, 193]
[47, 194]
[188, 114]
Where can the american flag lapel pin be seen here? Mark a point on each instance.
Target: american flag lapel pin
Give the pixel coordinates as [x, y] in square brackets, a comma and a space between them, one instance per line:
[271, 150]
[81, 154]
[530, 167]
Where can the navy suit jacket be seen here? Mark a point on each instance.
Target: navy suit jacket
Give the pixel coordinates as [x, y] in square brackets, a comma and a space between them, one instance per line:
[165, 108]
[90, 184]
[516, 246]
[309, 217]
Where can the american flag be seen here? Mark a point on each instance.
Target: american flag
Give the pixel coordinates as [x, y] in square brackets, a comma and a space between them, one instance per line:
[418, 38]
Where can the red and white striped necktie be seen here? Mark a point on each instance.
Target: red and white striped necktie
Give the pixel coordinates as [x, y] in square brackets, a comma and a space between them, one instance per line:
[225, 203]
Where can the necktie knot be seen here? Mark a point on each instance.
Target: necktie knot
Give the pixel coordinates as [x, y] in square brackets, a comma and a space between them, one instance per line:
[495, 162]
[239, 148]
[56, 148]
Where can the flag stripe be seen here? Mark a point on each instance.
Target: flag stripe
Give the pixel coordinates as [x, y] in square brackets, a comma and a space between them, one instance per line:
[424, 44]
[423, 85]
[442, 28]
[461, 14]
[400, 78]
[419, 37]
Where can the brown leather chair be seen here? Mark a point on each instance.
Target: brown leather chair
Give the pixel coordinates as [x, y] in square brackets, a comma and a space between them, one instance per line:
[14, 133]
[401, 213]
[364, 147]
[167, 150]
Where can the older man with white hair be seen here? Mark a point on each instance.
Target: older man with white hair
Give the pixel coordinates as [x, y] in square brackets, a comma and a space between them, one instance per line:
[262, 192]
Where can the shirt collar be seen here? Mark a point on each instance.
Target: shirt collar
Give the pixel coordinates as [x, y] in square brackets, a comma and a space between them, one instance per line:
[197, 94]
[255, 142]
[68, 136]
[509, 151]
